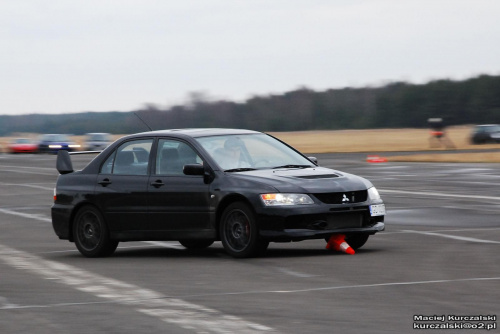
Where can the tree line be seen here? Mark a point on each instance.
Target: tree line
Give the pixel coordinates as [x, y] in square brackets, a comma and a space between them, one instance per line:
[394, 105]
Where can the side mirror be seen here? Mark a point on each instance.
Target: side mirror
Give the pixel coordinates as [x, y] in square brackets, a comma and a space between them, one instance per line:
[194, 169]
[199, 169]
[63, 162]
[314, 160]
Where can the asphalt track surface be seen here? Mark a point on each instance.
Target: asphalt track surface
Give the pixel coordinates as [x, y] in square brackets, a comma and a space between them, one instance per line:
[438, 256]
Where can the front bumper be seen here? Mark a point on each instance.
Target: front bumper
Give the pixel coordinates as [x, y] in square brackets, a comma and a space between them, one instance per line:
[316, 222]
[303, 234]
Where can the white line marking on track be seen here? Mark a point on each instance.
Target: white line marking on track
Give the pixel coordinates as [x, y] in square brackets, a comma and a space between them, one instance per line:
[25, 172]
[27, 215]
[165, 244]
[454, 230]
[25, 185]
[342, 287]
[14, 306]
[27, 167]
[175, 311]
[295, 273]
[5, 304]
[455, 237]
[389, 284]
[75, 250]
[7, 169]
[426, 193]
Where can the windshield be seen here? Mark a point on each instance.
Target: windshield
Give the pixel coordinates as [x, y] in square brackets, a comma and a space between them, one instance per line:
[253, 151]
[22, 141]
[493, 128]
[55, 138]
[487, 128]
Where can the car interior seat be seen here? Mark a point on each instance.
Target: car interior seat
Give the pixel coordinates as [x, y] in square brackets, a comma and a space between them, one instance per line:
[169, 162]
[123, 163]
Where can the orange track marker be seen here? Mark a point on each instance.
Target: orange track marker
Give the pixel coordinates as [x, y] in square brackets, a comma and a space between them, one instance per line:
[338, 243]
[375, 158]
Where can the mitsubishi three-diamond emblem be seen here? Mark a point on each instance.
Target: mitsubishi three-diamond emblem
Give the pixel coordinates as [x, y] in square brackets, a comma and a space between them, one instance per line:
[345, 199]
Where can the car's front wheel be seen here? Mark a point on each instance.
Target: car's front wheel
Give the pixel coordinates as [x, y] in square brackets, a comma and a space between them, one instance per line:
[91, 234]
[239, 232]
[356, 241]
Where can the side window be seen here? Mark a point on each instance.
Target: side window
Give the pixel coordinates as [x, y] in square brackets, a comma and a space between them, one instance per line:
[131, 158]
[172, 155]
[107, 166]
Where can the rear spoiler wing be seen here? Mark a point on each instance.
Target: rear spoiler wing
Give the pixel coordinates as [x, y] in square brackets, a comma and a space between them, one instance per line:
[63, 162]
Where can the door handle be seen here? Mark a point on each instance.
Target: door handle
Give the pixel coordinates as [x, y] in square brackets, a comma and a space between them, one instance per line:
[157, 183]
[105, 182]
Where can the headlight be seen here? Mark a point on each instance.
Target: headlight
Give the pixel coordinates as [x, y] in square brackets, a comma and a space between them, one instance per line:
[55, 146]
[73, 146]
[373, 194]
[285, 199]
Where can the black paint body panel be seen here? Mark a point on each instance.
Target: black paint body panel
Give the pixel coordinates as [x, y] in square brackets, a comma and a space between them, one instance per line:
[189, 207]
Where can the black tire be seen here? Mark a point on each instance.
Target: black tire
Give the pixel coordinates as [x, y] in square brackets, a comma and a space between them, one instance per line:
[196, 244]
[239, 232]
[356, 241]
[91, 234]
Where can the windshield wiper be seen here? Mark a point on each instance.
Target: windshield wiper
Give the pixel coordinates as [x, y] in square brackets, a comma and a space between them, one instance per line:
[292, 166]
[244, 169]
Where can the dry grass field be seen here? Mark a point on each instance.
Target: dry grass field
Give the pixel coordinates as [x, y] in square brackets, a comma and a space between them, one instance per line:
[393, 140]
[380, 140]
[372, 141]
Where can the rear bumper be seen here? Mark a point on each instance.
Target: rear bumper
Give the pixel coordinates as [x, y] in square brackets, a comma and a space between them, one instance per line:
[21, 150]
[61, 217]
[54, 150]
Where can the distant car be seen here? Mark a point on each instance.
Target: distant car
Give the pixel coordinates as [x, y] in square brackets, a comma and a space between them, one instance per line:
[96, 141]
[487, 133]
[22, 145]
[197, 186]
[52, 143]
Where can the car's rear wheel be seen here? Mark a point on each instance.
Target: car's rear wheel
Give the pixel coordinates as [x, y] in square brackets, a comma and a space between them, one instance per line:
[196, 244]
[239, 232]
[91, 234]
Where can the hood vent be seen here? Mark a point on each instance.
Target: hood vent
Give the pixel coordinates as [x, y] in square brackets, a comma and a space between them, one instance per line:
[324, 176]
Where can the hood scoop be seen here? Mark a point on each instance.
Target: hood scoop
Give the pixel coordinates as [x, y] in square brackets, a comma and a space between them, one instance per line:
[323, 176]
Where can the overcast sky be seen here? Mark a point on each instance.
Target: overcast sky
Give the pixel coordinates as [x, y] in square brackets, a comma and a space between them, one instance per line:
[62, 56]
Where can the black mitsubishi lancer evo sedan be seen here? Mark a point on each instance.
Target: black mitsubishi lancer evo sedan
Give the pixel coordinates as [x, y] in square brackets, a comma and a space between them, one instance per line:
[197, 186]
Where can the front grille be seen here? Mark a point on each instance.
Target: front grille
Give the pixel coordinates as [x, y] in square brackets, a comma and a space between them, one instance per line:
[343, 197]
[345, 220]
[330, 221]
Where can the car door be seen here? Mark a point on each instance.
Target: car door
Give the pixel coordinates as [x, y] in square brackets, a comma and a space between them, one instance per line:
[177, 202]
[122, 185]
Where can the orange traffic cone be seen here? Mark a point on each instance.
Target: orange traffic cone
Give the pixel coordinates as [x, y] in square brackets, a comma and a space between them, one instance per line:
[375, 159]
[337, 242]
